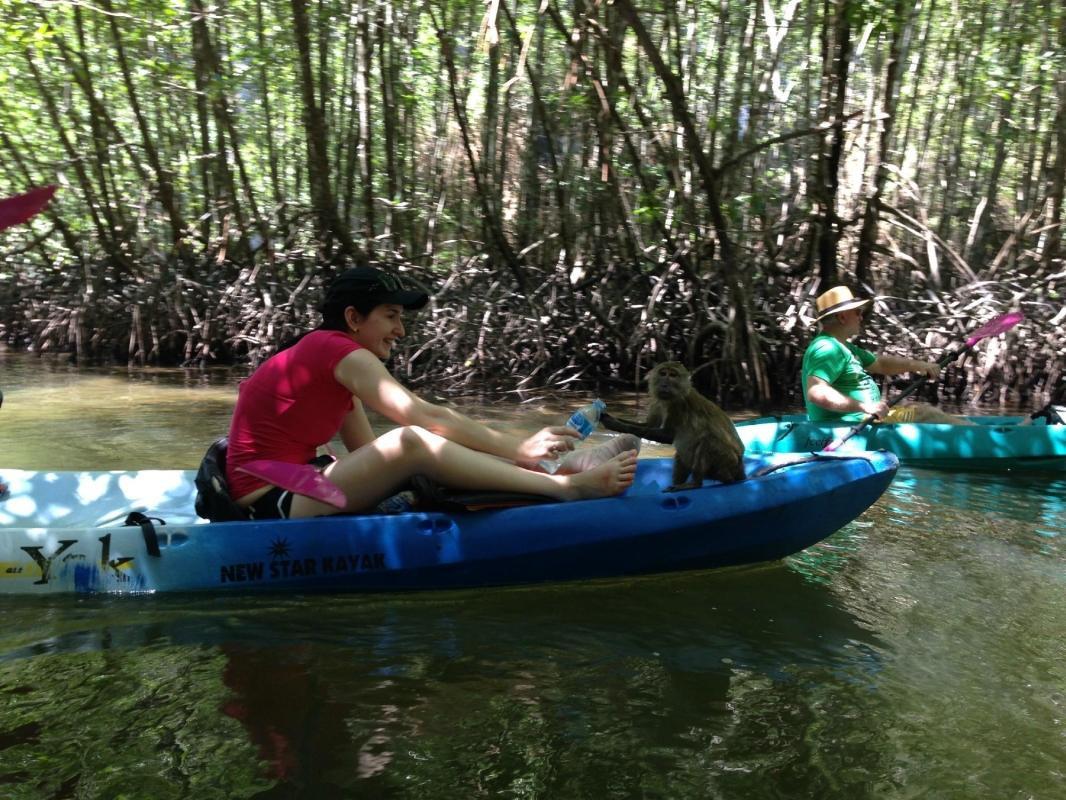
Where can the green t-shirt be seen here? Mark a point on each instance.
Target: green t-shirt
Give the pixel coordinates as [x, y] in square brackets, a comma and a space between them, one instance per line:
[842, 366]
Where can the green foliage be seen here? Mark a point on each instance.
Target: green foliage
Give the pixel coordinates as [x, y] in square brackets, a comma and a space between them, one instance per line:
[231, 145]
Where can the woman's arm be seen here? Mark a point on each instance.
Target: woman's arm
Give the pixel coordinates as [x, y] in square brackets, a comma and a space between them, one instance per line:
[356, 430]
[363, 374]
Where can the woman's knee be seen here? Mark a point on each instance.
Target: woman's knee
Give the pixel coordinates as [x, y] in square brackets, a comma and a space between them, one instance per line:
[416, 442]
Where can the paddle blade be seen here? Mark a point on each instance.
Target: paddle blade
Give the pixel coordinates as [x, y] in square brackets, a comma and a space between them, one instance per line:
[1001, 324]
[299, 479]
[18, 209]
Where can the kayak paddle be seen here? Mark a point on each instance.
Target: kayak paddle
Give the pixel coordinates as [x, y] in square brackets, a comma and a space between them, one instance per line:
[18, 209]
[1001, 324]
[297, 478]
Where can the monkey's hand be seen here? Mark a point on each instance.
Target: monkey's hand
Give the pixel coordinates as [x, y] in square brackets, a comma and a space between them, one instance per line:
[644, 431]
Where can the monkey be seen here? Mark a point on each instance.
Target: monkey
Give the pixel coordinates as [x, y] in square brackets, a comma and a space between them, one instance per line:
[707, 444]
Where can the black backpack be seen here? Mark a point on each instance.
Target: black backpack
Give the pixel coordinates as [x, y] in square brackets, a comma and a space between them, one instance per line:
[213, 501]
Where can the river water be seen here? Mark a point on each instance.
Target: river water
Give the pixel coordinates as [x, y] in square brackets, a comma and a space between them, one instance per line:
[918, 652]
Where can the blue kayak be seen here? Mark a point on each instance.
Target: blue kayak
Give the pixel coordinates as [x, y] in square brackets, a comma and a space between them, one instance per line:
[63, 532]
[996, 443]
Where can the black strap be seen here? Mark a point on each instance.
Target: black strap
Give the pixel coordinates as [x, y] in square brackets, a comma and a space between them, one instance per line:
[151, 538]
[432, 496]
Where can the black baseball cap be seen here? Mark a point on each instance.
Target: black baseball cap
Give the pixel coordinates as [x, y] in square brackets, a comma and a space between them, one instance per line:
[375, 284]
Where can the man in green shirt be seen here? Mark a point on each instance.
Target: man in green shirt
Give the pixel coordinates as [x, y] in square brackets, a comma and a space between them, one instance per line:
[837, 382]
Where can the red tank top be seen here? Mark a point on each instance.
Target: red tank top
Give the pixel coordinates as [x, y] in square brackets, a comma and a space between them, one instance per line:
[290, 406]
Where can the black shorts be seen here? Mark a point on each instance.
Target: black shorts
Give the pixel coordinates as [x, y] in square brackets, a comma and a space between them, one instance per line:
[275, 504]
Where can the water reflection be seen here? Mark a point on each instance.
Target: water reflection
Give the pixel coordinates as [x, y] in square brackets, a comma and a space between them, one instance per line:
[459, 690]
[1036, 499]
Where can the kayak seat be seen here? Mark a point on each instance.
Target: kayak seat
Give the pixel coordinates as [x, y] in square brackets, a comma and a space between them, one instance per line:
[213, 500]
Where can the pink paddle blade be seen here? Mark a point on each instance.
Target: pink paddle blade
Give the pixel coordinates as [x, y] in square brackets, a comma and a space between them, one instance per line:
[18, 209]
[1001, 324]
[297, 478]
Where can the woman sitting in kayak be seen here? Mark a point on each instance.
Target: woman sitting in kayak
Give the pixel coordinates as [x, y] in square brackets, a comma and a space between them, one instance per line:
[300, 398]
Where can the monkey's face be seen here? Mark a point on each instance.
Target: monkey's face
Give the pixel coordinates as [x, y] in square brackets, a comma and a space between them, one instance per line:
[669, 380]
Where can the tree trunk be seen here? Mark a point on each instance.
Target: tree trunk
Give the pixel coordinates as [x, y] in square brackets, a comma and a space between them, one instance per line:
[101, 163]
[917, 75]
[364, 62]
[208, 192]
[162, 177]
[389, 77]
[872, 215]
[107, 235]
[277, 189]
[745, 347]
[491, 221]
[490, 119]
[1057, 178]
[977, 243]
[836, 60]
[958, 141]
[329, 226]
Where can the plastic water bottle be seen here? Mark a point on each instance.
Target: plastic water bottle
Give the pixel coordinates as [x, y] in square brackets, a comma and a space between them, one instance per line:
[584, 421]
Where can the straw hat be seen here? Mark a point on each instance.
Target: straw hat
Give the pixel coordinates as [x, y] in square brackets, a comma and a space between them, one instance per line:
[837, 299]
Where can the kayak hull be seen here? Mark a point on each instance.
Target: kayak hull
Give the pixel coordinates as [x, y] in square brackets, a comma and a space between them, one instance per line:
[644, 531]
[995, 443]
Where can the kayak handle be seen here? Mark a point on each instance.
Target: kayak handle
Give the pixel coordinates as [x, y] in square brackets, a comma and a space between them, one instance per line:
[431, 525]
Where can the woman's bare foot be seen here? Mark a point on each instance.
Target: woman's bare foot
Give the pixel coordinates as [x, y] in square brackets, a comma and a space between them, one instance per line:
[589, 457]
[609, 478]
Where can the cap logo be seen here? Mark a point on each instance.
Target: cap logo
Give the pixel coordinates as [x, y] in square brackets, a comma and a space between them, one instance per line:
[390, 283]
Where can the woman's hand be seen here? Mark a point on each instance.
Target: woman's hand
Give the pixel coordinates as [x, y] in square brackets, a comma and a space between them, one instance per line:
[546, 444]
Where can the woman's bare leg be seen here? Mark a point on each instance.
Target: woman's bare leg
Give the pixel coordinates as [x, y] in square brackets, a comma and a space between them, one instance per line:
[374, 471]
